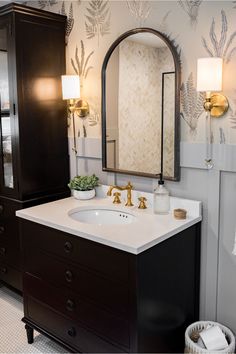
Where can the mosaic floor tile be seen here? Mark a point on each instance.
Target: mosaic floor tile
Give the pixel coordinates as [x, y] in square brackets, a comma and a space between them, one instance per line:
[12, 330]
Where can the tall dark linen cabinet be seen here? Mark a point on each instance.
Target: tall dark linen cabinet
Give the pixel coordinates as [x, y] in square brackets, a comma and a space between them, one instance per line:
[34, 161]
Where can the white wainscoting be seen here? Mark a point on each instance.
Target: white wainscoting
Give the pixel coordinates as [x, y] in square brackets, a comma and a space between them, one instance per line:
[198, 183]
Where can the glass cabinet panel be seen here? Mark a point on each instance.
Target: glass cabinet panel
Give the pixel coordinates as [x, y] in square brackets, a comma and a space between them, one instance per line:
[6, 131]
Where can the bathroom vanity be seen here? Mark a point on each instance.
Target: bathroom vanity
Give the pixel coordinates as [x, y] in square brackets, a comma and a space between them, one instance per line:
[129, 283]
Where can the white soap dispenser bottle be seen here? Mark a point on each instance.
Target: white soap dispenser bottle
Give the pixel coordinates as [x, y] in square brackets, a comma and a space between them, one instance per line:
[161, 202]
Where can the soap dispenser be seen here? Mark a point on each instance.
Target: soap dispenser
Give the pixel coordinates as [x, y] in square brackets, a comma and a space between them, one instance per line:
[161, 202]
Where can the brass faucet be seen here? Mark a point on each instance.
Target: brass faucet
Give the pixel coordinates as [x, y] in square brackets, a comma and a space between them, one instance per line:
[127, 188]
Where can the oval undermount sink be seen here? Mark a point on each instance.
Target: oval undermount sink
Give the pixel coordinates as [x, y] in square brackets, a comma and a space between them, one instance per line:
[98, 216]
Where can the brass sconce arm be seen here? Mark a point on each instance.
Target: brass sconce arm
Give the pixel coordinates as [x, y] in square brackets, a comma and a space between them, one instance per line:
[216, 103]
[82, 108]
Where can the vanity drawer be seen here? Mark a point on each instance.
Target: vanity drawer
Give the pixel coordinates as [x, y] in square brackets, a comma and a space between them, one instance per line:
[67, 330]
[92, 255]
[104, 291]
[10, 254]
[69, 304]
[10, 275]
[10, 232]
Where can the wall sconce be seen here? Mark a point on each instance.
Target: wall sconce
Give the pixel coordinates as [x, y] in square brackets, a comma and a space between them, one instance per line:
[209, 79]
[71, 92]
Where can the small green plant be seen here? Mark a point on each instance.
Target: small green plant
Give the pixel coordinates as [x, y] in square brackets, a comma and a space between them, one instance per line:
[84, 183]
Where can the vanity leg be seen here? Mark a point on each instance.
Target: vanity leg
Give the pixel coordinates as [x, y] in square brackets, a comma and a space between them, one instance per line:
[30, 334]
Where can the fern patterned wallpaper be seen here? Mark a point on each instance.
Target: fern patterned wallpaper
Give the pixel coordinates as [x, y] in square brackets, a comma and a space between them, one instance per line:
[200, 28]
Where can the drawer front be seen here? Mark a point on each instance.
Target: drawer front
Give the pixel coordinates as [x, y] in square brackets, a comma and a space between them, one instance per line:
[9, 222]
[10, 275]
[92, 255]
[96, 318]
[106, 292]
[69, 331]
[9, 254]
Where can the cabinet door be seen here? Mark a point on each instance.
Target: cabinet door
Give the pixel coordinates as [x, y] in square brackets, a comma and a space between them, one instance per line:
[7, 178]
[43, 142]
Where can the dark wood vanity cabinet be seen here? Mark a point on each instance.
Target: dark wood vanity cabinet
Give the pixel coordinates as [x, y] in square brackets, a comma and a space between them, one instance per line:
[34, 163]
[93, 298]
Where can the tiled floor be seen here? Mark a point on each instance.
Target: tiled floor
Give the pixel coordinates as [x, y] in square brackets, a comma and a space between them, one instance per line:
[12, 331]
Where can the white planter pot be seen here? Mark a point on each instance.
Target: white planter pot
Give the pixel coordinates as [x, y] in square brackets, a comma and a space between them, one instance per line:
[83, 195]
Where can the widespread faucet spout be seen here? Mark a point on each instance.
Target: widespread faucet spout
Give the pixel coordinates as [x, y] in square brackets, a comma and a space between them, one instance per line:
[111, 189]
[128, 187]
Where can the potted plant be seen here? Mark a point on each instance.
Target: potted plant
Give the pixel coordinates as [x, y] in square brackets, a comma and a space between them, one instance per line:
[83, 186]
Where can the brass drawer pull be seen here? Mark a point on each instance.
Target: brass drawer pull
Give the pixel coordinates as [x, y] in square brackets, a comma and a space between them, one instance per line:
[2, 229]
[3, 270]
[71, 332]
[70, 305]
[2, 251]
[1, 209]
[68, 247]
[69, 276]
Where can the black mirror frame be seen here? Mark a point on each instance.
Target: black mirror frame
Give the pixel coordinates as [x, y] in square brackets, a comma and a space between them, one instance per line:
[177, 63]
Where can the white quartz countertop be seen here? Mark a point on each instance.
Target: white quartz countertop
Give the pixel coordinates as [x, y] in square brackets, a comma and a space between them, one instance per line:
[147, 230]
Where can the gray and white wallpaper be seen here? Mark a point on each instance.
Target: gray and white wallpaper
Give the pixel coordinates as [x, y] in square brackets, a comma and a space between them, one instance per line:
[200, 28]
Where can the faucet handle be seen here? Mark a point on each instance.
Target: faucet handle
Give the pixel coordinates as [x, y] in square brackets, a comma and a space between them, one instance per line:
[117, 198]
[142, 204]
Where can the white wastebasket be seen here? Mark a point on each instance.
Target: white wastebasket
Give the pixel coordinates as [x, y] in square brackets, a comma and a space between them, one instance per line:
[192, 347]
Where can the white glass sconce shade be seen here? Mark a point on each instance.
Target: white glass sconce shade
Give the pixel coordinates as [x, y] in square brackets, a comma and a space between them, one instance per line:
[209, 74]
[70, 87]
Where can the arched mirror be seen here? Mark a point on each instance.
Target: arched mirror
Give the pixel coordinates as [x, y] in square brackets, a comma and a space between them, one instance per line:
[140, 105]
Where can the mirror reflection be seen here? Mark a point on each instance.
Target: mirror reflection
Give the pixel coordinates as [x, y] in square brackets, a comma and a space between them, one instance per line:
[6, 136]
[139, 103]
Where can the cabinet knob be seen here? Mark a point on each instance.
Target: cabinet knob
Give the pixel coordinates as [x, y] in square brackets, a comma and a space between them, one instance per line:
[68, 247]
[1, 209]
[71, 332]
[70, 305]
[3, 270]
[2, 229]
[69, 276]
[2, 251]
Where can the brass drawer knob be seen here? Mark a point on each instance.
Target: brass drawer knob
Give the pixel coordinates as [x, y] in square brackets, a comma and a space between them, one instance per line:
[68, 247]
[142, 204]
[3, 270]
[68, 276]
[70, 305]
[71, 332]
[2, 229]
[117, 198]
